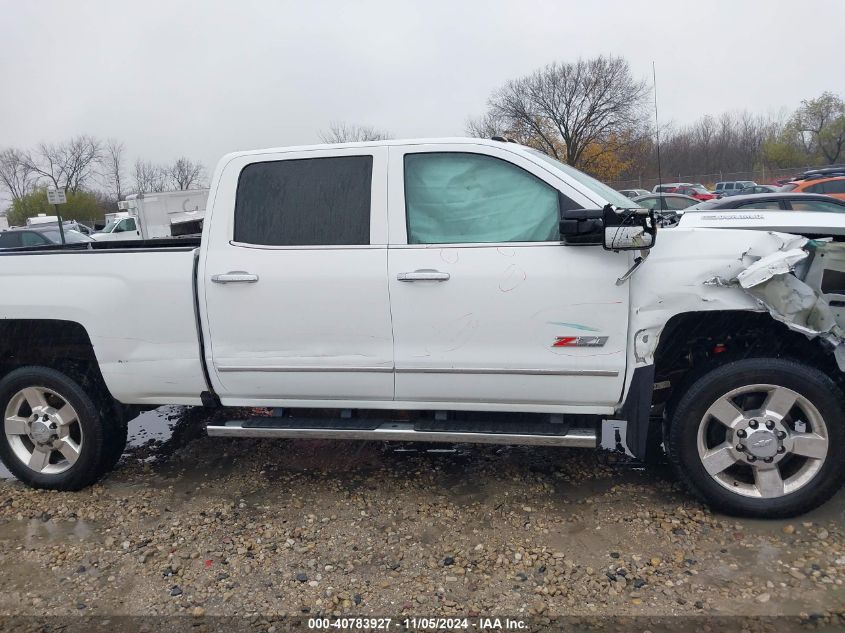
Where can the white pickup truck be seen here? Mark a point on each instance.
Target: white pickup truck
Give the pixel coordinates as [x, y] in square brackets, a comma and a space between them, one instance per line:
[456, 290]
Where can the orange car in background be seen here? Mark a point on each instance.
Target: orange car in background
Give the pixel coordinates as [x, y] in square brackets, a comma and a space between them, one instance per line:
[829, 181]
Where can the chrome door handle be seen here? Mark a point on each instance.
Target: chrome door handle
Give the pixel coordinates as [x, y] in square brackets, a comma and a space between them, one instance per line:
[235, 277]
[425, 274]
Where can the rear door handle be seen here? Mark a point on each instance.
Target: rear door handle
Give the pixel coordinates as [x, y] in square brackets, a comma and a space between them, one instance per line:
[235, 277]
[425, 274]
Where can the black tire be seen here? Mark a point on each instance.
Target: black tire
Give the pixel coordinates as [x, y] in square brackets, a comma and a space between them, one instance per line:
[118, 428]
[89, 465]
[699, 394]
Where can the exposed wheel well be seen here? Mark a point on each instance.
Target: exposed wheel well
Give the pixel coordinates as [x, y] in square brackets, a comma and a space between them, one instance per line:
[61, 345]
[696, 341]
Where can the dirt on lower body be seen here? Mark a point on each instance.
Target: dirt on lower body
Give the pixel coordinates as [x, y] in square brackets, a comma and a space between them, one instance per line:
[207, 526]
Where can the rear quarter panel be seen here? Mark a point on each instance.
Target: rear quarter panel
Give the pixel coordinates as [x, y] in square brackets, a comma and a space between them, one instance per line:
[137, 308]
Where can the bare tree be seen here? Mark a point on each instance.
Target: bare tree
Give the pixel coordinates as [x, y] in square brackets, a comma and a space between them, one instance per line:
[185, 174]
[566, 108]
[148, 177]
[340, 132]
[69, 165]
[112, 166]
[488, 126]
[16, 177]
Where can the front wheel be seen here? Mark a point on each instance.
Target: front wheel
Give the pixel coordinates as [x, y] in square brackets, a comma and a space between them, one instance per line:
[760, 437]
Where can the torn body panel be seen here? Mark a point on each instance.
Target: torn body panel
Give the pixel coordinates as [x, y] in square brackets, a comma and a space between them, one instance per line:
[790, 285]
[742, 270]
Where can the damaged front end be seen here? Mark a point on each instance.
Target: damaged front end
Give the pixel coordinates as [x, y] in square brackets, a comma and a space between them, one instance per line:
[802, 285]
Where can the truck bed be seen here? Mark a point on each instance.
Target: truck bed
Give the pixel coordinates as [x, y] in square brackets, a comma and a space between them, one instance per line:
[136, 301]
[189, 242]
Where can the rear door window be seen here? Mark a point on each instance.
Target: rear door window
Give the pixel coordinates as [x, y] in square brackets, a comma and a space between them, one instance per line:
[10, 239]
[305, 202]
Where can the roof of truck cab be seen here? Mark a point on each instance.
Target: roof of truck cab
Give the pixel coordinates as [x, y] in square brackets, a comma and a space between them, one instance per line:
[385, 143]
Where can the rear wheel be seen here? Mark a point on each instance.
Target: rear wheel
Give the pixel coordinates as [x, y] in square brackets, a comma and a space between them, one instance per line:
[760, 437]
[54, 436]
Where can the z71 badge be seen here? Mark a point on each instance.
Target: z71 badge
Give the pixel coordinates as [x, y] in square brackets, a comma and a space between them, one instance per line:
[579, 341]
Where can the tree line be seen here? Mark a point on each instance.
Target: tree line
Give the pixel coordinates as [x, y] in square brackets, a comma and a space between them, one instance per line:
[593, 114]
[92, 172]
[596, 115]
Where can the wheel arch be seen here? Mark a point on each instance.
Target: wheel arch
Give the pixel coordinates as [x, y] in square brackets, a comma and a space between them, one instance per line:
[61, 345]
[693, 343]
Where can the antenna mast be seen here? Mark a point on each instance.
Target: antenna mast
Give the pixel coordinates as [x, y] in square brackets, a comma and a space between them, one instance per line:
[657, 127]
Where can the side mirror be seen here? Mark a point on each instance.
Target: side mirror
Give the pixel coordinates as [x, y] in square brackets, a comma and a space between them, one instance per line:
[581, 226]
[629, 229]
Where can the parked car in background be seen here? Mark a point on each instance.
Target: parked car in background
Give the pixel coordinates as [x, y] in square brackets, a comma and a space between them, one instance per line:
[16, 238]
[42, 221]
[665, 201]
[776, 202]
[759, 189]
[666, 206]
[829, 186]
[667, 187]
[732, 187]
[633, 193]
[697, 191]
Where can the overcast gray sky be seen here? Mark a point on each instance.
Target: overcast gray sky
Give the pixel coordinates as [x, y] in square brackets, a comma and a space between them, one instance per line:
[203, 78]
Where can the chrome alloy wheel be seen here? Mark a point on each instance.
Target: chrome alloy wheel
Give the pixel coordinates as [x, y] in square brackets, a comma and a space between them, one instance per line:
[762, 441]
[43, 430]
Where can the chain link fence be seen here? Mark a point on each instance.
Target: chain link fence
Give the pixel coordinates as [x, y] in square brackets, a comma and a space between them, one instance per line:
[761, 176]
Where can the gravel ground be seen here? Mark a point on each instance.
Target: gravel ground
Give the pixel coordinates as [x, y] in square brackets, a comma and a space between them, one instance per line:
[203, 526]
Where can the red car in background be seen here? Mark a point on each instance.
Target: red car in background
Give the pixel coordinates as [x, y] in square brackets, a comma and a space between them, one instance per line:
[697, 191]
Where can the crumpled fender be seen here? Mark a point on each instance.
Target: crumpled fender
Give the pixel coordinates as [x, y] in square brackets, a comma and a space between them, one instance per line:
[778, 284]
[699, 270]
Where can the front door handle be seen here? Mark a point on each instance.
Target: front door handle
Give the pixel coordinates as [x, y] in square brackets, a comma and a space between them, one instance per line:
[235, 277]
[425, 274]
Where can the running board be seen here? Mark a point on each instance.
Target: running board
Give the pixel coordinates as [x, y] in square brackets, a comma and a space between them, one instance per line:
[396, 431]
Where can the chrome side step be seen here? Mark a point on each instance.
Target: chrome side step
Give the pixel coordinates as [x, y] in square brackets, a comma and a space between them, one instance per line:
[403, 432]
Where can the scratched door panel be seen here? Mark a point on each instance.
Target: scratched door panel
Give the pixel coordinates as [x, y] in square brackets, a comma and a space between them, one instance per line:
[532, 324]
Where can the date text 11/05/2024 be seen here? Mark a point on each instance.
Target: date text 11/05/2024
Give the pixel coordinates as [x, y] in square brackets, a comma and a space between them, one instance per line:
[418, 623]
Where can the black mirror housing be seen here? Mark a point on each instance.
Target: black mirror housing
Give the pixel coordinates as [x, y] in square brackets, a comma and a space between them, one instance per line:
[581, 226]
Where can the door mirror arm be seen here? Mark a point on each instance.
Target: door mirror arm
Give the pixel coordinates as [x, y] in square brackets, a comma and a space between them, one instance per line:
[639, 260]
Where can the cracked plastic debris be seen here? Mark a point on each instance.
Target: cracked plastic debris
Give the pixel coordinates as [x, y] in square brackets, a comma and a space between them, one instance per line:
[774, 282]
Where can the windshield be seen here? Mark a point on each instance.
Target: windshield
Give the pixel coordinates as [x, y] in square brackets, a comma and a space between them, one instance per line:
[109, 227]
[611, 195]
[700, 189]
[789, 186]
